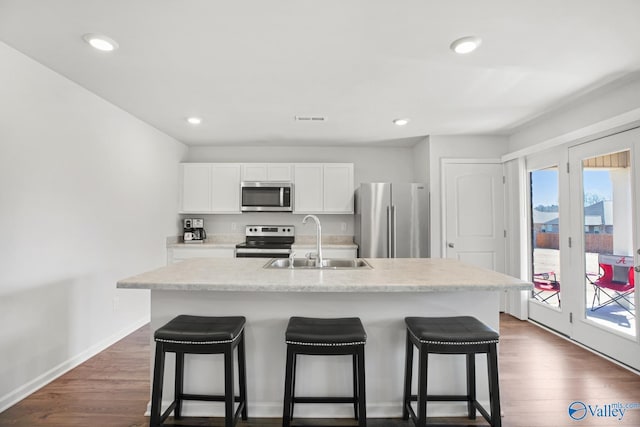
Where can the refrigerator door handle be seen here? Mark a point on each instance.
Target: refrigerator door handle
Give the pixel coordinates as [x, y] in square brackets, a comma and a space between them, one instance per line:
[393, 231]
[389, 233]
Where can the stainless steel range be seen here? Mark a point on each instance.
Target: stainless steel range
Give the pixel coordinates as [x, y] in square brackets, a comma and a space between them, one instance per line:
[266, 241]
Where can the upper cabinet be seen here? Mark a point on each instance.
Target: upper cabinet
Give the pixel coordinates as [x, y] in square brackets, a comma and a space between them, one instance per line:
[267, 172]
[210, 188]
[323, 188]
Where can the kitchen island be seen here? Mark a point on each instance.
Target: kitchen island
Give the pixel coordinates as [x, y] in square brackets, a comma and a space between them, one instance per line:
[381, 296]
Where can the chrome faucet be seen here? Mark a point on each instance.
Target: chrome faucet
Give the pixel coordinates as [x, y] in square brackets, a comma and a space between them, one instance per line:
[318, 238]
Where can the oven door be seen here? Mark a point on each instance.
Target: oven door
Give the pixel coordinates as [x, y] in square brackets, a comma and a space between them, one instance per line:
[262, 253]
[267, 196]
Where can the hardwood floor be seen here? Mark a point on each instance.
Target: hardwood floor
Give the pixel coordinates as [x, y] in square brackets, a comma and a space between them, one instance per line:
[540, 376]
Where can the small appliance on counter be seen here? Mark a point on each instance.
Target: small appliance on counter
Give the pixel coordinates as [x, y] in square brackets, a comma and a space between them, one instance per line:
[194, 230]
[266, 241]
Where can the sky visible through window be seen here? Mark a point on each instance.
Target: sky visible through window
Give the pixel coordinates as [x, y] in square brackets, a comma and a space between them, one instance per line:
[545, 185]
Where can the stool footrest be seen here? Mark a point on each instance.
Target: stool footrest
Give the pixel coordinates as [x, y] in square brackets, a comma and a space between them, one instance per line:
[206, 397]
[308, 399]
[442, 398]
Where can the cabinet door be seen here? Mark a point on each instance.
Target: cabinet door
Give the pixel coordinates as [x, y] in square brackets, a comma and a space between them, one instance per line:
[308, 188]
[266, 172]
[254, 172]
[196, 187]
[175, 255]
[225, 186]
[279, 172]
[338, 188]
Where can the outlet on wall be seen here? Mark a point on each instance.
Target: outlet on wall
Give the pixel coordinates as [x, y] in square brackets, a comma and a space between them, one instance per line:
[116, 304]
[343, 226]
[234, 226]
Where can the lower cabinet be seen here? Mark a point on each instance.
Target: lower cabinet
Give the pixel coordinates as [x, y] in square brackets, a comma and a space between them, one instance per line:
[180, 254]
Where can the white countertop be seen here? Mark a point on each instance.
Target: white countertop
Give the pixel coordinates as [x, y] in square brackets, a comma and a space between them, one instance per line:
[387, 275]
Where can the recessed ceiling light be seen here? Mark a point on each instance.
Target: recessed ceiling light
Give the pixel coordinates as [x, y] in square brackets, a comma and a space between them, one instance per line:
[466, 44]
[194, 120]
[101, 42]
[400, 122]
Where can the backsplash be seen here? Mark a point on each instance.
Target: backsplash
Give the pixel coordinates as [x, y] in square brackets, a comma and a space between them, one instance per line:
[332, 225]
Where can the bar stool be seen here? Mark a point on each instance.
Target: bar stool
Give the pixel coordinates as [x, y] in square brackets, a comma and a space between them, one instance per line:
[450, 335]
[312, 336]
[200, 335]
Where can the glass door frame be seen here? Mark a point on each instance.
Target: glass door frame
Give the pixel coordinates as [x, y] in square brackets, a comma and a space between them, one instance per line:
[556, 318]
[621, 347]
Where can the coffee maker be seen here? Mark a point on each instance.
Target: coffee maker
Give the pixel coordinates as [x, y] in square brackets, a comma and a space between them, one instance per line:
[194, 230]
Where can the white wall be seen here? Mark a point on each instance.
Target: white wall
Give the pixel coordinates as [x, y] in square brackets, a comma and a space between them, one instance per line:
[88, 194]
[609, 107]
[421, 161]
[452, 147]
[371, 164]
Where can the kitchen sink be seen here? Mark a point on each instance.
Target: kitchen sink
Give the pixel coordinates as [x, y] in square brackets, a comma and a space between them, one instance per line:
[328, 264]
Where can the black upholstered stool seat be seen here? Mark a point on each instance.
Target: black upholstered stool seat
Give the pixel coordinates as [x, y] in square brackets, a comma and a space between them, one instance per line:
[201, 330]
[451, 330]
[450, 335]
[325, 332]
[200, 335]
[329, 337]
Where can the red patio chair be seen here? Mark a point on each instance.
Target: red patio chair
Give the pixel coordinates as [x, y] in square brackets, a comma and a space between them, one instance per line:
[616, 282]
[546, 282]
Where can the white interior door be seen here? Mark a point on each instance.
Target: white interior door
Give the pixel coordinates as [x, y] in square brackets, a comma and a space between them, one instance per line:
[474, 213]
[605, 236]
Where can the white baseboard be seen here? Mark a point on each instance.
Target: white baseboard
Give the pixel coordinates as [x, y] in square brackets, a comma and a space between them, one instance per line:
[37, 383]
[274, 409]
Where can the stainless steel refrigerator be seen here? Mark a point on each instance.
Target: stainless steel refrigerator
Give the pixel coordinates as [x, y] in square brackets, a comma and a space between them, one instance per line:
[392, 220]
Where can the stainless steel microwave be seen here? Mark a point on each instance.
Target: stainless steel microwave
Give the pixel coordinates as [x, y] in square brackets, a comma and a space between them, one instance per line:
[266, 196]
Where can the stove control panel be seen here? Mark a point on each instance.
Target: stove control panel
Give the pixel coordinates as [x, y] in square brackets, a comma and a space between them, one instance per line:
[270, 230]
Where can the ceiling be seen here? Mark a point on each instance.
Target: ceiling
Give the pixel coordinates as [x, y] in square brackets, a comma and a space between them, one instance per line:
[248, 67]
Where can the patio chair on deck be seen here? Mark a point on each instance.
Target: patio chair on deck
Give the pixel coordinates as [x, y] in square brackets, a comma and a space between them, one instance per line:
[616, 282]
[546, 282]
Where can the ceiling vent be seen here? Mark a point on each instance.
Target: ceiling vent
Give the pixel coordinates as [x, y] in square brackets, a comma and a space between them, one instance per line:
[310, 118]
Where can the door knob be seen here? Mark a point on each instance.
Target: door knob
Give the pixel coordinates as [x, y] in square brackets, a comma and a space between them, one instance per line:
[450, 245]
[637, 268]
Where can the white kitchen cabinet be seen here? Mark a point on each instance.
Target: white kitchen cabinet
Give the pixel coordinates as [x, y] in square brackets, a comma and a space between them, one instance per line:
[323, 188]
[210, 188]
[338, 187]
[308, 188]
[178, 254]
[267, 172]
[196, 187]
[225, 196]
